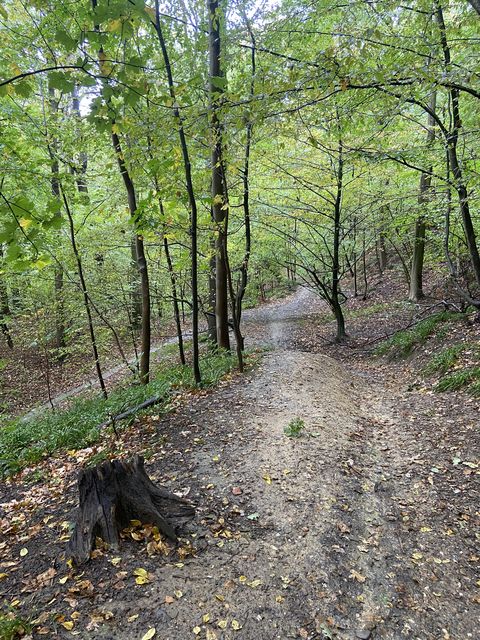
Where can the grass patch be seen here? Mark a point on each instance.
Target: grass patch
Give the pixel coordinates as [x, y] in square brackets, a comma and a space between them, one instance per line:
[12, 627]
[459, 379]
[444, 360]
[402, 343]
[24, 442]
[294, 428]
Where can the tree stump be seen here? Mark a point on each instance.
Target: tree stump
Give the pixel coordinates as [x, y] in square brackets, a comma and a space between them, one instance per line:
[116, 492]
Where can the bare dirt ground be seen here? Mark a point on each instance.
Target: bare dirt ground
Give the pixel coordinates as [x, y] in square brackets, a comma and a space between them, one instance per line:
[366, 526]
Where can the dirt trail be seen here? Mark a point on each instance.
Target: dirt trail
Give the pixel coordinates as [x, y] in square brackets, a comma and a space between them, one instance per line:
[312, 537]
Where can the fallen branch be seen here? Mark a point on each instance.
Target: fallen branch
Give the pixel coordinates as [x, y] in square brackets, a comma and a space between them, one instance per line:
[112, 420]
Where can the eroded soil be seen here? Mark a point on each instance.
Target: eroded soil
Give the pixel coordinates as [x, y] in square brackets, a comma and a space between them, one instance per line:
[362, 527]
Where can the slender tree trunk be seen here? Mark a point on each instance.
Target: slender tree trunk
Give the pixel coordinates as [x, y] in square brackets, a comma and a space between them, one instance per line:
[82, 161]
[416, 271]
[141, 264]
[58, 269]
[452, 142]
[86, 299]
[4, 308]
[336, 306]
[135, 287]
[173, 284]
[190, 191]
[211, 318]
[219, 192]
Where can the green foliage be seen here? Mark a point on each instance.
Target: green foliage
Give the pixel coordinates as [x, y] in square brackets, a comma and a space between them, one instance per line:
[460, 379]
[444, 360]
[12, 628]
[24, 442]
[294, 428]
[402, 343]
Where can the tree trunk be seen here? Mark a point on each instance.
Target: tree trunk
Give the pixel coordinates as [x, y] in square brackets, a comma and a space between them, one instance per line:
[173, 283]
[114, 493]
[211, 319]
[335, 302]
[141, 262]
[416, 271]
[4, 308]
[190, 191]
[452, 142]
[219, 192]
[86, 298]
[58, 269]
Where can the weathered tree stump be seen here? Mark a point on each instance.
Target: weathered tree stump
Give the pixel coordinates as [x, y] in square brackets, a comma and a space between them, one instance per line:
[114, 493]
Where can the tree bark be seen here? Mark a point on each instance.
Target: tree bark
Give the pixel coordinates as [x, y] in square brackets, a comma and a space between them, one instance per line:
[86, 299]
[452, 142]
[141, 262]
[416, 271]
[190, 191]
[114, 493]
[219, 191]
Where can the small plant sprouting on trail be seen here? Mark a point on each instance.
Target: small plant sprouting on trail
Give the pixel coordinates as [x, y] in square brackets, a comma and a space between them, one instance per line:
[294, 428]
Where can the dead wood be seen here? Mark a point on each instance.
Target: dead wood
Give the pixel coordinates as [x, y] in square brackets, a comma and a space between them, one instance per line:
[116, 492]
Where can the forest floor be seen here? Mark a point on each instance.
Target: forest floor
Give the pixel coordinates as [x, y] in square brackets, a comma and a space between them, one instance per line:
[364, 526]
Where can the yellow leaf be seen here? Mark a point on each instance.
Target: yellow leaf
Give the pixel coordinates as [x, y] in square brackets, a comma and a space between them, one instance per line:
[25, 222]
[142, 580]
[178, 593]
[279, 599]
[211, 635]
[3, 576]
[219, 597]
[150, 633]
[417, 555]
[254, 584]
[132, 618]
[63, 580]
[425, 529]
[115, 561]
[196, 630]
[222, 624]
[140, 572]
[242, 579]
[206, 618]
[357, 576]
[68, 625]
[23, 552]
[267, 478]
[236, 626]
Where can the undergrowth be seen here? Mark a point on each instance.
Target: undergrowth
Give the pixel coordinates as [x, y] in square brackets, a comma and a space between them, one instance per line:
[12, 627]
[458, 379]
[24, 442]
[444, 360]
[402, 343]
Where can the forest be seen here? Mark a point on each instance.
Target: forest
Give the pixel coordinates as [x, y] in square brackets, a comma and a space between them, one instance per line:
[239, 312]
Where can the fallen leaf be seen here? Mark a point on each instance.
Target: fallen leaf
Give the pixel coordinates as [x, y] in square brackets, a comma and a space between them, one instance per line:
[267, 478]
[196, 630]
[357, 576]
[133, 618]
[23, 552]
[178, 593]
[236, 626]
[222, 624]
[206, 618]
[68, 625]
[237, 491]
[150, 633]
[3, 576]
[169, 599]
